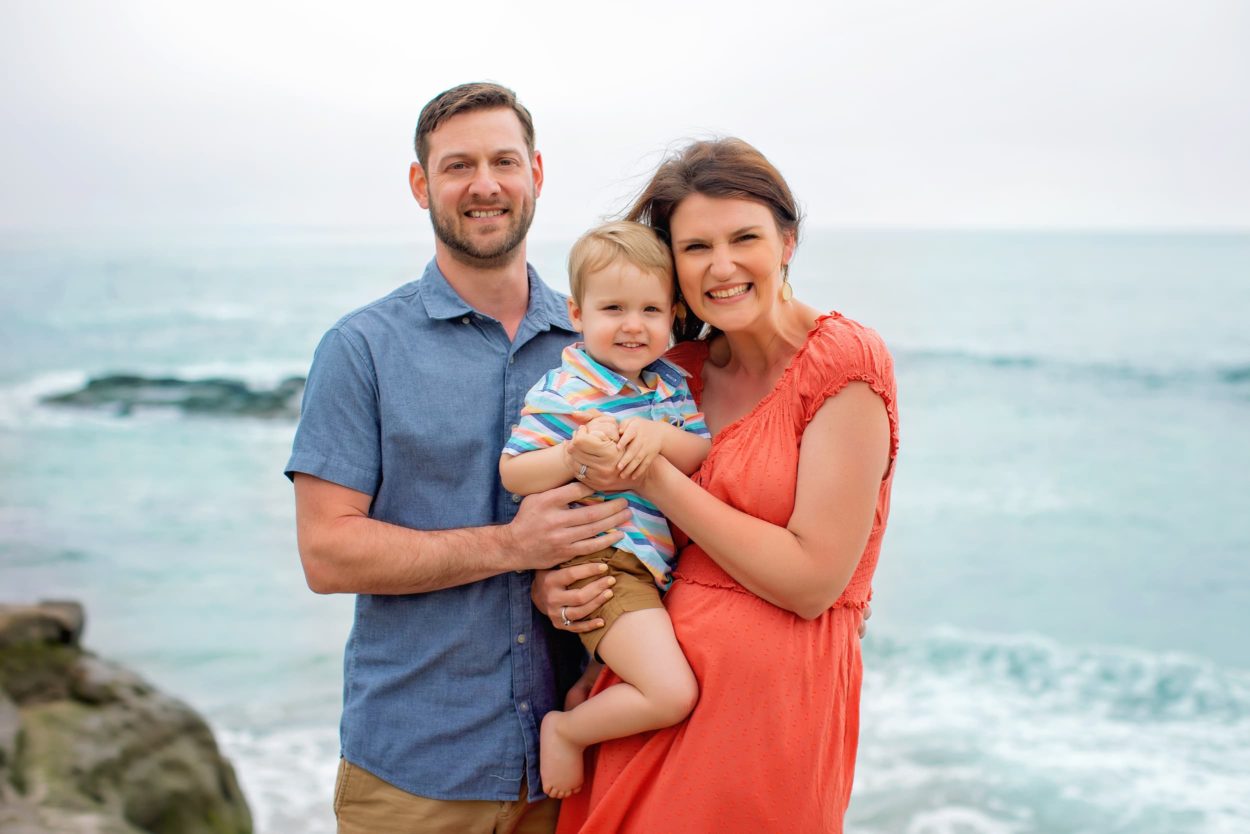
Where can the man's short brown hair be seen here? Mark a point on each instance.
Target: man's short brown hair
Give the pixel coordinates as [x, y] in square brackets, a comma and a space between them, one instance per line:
[480, 95]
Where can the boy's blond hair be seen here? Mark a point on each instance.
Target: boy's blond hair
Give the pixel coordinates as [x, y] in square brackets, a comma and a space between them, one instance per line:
[619, 240]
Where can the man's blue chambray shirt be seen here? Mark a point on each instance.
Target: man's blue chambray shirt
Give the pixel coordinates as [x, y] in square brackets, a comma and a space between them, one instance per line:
[411, 399]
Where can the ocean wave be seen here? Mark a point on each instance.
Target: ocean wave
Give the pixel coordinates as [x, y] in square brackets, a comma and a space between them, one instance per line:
[166, 316]
[287, 774]
[1122, 683]
[20, 401]
[1236, 375]
[977, 733]
[1232, 375]
[961, 733]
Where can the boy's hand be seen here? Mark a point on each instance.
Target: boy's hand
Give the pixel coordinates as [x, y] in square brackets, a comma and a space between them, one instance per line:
[640, 443]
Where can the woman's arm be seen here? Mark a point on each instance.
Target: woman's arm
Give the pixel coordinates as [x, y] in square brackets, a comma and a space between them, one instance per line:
[685, 450]
[804, 566]
[643, 439]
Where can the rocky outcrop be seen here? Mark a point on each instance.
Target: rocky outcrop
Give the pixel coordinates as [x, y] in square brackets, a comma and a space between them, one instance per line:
[122, 394]
[88, 747]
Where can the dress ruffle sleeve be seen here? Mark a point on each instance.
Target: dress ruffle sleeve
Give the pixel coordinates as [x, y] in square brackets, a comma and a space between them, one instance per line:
[843, 351]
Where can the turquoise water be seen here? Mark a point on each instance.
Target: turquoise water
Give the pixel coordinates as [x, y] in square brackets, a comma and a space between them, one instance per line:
[1059, 632]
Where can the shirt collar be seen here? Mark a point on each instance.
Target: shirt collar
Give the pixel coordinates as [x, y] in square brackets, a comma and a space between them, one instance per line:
[547, 308]
[661, 376]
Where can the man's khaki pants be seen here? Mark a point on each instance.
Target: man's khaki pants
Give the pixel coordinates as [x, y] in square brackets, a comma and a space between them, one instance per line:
[364, 804]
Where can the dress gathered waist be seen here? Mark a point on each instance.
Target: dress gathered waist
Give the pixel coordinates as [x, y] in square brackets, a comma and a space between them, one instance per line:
[698, 568]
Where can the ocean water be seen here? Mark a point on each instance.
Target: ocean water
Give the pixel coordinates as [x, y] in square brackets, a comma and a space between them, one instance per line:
[1061, 630]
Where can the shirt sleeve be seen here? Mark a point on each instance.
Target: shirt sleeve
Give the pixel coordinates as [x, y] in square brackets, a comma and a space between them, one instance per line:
[339, 433]
[546, 419]
[688, 412]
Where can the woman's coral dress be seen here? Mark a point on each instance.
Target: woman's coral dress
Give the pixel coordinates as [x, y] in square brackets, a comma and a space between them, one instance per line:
[770, 746]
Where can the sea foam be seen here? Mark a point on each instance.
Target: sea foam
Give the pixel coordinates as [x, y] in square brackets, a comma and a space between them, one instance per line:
[1040, 738]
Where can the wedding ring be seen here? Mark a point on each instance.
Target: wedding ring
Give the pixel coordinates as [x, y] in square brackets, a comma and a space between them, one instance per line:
[564, 609]
[581, 473]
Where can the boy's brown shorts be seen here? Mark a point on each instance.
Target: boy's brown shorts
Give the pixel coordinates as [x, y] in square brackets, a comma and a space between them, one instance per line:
[635, 590]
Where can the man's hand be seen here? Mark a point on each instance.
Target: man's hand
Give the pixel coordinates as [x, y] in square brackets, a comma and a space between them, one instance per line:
[640, 443]
[547, 531]
[557, 601]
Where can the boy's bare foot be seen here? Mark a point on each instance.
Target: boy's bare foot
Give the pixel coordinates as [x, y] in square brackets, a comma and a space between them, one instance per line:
[559, 759]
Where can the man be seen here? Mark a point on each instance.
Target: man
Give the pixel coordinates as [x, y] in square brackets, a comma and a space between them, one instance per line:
[449, 669]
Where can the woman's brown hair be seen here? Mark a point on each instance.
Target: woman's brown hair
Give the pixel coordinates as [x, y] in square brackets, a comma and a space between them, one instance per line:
[723, 168]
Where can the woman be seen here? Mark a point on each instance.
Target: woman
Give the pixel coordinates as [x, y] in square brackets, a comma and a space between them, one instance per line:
[783, 524]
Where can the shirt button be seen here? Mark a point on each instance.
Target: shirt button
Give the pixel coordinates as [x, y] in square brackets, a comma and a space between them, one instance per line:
[524, 706]
[511, 359]
[464, 320]
[520, 638]
[516, 499]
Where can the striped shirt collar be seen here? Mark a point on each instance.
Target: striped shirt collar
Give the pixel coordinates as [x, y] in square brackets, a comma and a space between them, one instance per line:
[661, 376]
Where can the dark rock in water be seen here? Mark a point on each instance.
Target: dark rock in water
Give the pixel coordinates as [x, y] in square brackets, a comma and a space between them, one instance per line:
[123, 393]
[88, 747]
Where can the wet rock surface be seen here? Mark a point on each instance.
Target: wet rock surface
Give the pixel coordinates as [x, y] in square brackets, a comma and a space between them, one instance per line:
[89, 746]
[123, 394]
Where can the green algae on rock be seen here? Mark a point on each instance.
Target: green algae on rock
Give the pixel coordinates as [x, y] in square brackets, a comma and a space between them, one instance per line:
[88, 746]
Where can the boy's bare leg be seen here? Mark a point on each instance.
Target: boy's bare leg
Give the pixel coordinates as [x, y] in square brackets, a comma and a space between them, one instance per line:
[659, 690]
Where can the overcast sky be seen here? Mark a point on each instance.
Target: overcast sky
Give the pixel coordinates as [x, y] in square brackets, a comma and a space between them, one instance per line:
[1115, 113]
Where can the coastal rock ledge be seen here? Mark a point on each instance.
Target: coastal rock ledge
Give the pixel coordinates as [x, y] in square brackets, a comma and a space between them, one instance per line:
[88, 747]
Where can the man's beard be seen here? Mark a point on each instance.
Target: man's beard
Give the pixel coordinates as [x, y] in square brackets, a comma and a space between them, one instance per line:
[468, 253]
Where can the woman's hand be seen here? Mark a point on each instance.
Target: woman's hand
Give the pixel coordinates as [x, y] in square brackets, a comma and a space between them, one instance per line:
[580, 691]
[552, 595]
[589, 447]
[599, 455]
[605, 425]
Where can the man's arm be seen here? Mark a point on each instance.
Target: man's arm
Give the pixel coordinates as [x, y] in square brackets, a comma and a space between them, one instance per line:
[345, 551]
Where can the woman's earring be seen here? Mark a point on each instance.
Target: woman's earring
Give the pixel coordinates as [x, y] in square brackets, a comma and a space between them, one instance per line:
[787, 292]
